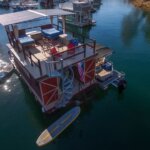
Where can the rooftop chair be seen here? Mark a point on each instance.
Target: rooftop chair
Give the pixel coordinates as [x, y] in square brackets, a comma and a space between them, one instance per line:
[22, 38]
[54, 52]
[49, 32]
[71, 48]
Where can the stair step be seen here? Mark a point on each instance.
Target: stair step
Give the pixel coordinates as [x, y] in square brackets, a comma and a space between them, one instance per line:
[68, 89]
[68, 93]
[68, 86]
[67, 81]
[68, 98]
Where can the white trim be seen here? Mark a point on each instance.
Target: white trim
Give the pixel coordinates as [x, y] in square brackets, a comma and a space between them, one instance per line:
[37, 13]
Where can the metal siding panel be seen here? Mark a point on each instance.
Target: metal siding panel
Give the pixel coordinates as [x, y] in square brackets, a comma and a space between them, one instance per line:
[89, 70]
[49, 90]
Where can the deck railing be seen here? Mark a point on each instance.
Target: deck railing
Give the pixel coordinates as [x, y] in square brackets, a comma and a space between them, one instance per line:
[81, 49]
[37, 63]
[54, 68]
[85, 40]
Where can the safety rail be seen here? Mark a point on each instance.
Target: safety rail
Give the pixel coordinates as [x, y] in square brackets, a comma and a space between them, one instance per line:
[89, 42]
[85, 40]
[30, 55]
[73, 55]
[52, 68]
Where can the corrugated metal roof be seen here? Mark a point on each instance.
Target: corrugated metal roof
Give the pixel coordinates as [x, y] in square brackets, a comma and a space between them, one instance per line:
[28, 15]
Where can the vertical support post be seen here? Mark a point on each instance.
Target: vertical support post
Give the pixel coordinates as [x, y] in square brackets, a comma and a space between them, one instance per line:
[61, 63]
[58, 22]
[51, 20]
[62, 75]
[63, 23]
[23, 48]
[15, 41]
[30, 56]
[8, 35]
[94, 47]
[40, 67]
[80, 17]
[84, 47]
[48, 68]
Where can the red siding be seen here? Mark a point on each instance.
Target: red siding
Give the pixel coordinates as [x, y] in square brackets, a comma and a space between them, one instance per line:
[89, 74]
[49, 90]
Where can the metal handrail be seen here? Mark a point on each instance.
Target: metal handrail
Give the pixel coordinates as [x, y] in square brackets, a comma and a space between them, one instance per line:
[80, 35]
[66, 51]
[30, 55]
[51, 65]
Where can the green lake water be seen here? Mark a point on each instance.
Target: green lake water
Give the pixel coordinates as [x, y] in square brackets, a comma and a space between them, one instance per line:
[112, 121]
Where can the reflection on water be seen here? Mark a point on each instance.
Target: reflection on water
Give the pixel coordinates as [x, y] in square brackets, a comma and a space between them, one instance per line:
[130, 25]
[9, 85]
[108, 120]
[146, 26]
[8, 81]
[136, 21]
[6, 88]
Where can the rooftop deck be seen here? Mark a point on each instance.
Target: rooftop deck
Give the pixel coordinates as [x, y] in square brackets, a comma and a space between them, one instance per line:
[33, 46]
[35, 57]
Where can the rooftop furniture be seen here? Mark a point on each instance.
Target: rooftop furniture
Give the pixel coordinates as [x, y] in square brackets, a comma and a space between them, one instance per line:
[54, 52]
[63, 39]
[71, 48]
[26, 40]
[36, 35]
[51, 33]
[22, 38]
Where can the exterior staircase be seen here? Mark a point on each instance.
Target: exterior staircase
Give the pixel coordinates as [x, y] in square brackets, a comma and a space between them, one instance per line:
[67, 79]
[67, 87]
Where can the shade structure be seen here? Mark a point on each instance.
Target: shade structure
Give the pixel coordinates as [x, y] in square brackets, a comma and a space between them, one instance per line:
[55, 12]
[28, 15]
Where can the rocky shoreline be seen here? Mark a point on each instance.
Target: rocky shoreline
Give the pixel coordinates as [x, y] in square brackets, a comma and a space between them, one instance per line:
[145, 4]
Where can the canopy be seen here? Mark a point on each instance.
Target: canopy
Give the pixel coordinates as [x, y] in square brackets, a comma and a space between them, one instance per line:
[28, 15]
